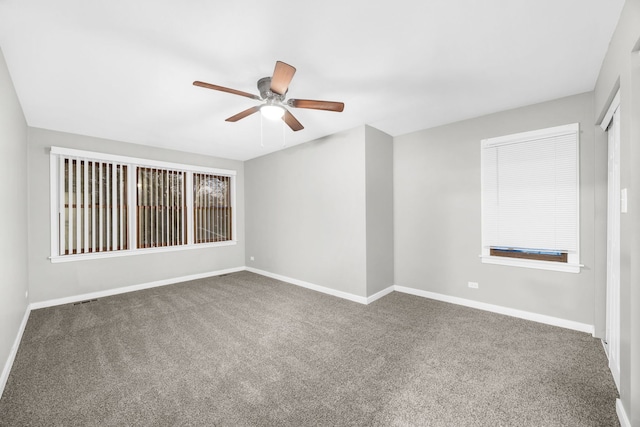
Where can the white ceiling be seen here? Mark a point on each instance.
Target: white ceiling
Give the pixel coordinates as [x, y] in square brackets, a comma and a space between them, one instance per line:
[123, 69]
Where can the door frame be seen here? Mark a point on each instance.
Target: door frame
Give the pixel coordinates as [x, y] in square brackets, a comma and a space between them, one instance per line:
[611, 124]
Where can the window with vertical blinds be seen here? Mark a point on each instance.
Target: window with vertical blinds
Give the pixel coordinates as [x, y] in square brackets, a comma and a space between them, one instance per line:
[211, 208]
[161, 208]
[107, 205]
[530, 199]
[94, 201]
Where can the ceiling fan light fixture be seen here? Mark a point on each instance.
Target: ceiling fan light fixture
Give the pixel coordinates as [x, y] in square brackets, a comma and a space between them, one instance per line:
[272, 112]
[273, 91]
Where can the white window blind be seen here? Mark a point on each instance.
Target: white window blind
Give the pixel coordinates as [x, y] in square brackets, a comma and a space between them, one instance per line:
[104, 205]
[211, 208]
[161, 208]
[530, 191]
[94, 201]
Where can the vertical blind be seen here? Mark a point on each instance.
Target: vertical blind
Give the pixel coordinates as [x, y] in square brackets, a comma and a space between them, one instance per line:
[530, 190]
[94, 201]
[211, 208]
[106, 203]
[161, 208]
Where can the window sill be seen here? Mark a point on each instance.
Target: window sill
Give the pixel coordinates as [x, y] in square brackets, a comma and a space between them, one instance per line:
[529, 263]
[114, 254]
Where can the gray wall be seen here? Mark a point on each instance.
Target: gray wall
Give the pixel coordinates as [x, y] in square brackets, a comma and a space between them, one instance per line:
[621, 69]
[438, 220]
[306, 212]
[322, 212]
[379, 208]
[49, 281]
[13, 215]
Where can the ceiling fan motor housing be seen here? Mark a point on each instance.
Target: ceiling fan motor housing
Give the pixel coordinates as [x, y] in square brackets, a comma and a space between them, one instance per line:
[264, 86]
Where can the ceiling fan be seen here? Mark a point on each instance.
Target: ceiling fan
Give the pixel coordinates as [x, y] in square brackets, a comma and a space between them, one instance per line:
[272, 92]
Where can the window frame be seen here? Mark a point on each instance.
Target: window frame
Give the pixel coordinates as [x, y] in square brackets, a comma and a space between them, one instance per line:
[132, 164]
[572, 263]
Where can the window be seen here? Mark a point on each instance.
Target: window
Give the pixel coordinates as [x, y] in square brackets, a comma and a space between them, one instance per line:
[94, 210]
[161, 208]
[212, 208]
[530, 199]
[105, 205]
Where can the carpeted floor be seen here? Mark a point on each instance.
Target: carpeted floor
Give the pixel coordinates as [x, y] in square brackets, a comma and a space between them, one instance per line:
[244, 349]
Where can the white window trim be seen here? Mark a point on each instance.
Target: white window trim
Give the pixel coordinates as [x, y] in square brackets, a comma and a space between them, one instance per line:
[130, 252]
[532, 263]
[573, 265]
[54, 177]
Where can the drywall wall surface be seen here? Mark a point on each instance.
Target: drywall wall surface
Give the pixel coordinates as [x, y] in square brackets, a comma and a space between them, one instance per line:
[437, 214]
[617, 58]
[13, 216]
[621, 71]
[305, 215]
[379, 208]
[59, 280]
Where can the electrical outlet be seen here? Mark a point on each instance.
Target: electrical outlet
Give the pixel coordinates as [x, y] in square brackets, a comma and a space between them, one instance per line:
[26, 294]
[474, 285]
[252, 259]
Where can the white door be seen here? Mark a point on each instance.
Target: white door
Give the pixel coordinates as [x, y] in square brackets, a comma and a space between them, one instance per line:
[612, 339]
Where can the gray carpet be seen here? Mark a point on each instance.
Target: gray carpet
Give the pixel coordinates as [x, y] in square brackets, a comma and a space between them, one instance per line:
[247, 350]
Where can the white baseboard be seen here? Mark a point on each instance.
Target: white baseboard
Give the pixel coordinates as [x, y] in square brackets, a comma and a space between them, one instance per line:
[540, 318]
[535, 317]
[132, 288]
[582, 327]
[324, 289]
[14, 350]
[314, 287]
[379, 295]
[622, 415]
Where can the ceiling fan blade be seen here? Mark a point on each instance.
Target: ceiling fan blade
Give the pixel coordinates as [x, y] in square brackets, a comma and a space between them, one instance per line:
[243, 114]
[282, 76]
[225, 89]
[291, 121]
[316, 105]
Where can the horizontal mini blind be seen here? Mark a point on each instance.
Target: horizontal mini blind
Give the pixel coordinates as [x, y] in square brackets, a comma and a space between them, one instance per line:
[211, 208]
[93, 206]
[530, 190]
[161, 208]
